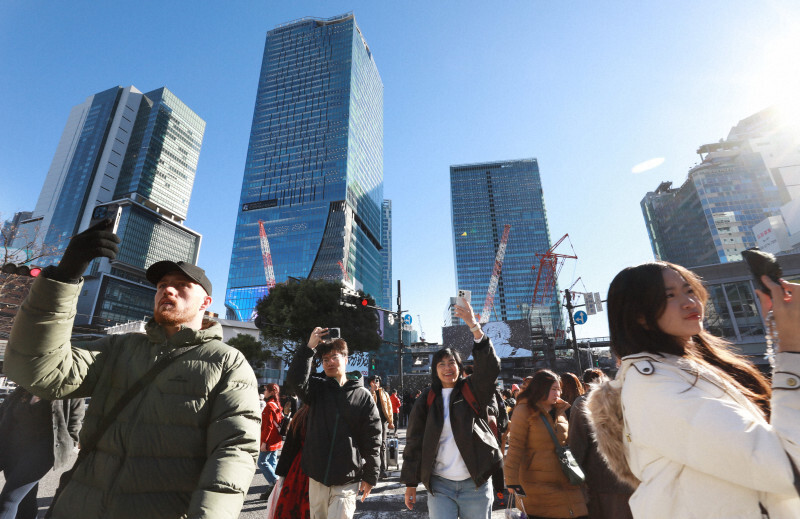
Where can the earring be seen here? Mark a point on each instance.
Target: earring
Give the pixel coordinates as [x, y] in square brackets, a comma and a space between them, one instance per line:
[771, 338]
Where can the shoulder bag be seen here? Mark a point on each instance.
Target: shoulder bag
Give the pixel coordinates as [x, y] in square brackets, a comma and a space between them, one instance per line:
[569, 466]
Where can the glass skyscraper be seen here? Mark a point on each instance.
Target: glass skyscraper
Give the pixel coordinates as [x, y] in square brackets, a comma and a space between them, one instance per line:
[710, 218]
[314, 170]
[139, 151]
[386, 254]
[483, 199]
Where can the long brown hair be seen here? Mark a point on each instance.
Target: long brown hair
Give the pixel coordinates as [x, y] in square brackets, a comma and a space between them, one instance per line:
[539, 387]
[571, 387]
[636, 300]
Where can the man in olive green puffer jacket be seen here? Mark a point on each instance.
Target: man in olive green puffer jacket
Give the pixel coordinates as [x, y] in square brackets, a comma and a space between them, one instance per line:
[185, 446]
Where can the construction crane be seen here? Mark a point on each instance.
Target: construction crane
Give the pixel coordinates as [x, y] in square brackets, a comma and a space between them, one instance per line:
[266, 255]
[421, 332]
[345, 276]
[550, 265]
[498, 267]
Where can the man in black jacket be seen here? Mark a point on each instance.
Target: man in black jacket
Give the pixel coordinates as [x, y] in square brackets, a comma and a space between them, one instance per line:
[343, 428]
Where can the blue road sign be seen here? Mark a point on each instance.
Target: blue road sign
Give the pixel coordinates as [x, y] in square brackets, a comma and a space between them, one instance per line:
[407, 319]
[580, 317]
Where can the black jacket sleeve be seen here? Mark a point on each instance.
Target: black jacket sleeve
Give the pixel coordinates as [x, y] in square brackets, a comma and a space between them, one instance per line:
[368, 438]
[410, 472]
[298, 377]
[486, 368]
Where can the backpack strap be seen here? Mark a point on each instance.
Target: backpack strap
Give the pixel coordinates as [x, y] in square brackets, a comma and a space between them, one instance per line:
[431, 397]
[469, 396]
[466, 392]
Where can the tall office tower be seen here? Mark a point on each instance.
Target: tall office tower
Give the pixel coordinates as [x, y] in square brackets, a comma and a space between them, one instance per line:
[139, 151]
[483, 199]
[386, 254]
[313, 180]
[710, 218]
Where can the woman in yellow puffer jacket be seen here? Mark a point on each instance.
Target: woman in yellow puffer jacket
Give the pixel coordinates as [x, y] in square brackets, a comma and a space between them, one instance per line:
[531, 460]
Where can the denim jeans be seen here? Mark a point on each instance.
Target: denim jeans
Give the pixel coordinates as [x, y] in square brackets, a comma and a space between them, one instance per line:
[459, 499]
[267, 461]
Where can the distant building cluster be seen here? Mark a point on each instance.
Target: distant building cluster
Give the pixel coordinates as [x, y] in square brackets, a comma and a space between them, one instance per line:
[745, 192]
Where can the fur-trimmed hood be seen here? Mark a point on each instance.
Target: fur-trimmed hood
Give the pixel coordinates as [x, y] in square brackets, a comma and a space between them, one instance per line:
[604, 412]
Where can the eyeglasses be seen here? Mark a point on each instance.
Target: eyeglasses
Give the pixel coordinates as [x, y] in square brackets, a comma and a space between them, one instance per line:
[332, 359]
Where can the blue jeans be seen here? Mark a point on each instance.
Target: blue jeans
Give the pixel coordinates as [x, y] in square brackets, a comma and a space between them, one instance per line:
[267, 461]
[459, 499]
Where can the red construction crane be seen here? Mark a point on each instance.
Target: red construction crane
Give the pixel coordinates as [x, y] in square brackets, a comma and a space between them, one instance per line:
[344, 272]
[267, 255]
[550, 265]
[498, 266]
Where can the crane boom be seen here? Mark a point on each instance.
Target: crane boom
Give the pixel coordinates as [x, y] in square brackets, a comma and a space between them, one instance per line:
[266, 255]
[550, 265]
[495, 279]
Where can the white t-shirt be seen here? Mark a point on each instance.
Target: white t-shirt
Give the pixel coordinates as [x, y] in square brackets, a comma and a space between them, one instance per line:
[449, 463]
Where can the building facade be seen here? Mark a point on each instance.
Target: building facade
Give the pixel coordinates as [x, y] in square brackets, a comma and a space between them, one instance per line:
[314, 171]
[740, 182]
[733, 310]
[483, 199]
[386, 254]
[139, 151]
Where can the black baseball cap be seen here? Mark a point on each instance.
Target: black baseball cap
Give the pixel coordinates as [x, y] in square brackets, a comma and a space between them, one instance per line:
[159, 269]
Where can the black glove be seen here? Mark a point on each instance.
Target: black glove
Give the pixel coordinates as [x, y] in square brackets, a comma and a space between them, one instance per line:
[95, 242]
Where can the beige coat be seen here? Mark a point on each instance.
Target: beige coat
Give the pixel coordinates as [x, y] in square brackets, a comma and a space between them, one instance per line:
[531, 462]
[382, 400]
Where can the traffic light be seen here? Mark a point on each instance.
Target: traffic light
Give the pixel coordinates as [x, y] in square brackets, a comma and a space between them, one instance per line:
[21, 270]
[353, 299]
[372, 363]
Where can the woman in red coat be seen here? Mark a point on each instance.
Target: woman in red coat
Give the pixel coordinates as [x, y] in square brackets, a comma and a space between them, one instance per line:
[271, 439]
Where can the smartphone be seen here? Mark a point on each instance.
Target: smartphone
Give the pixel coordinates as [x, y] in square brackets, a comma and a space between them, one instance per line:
[464, 295]
[762, 263]
[334, 333]
[101, 212]
[518, 489]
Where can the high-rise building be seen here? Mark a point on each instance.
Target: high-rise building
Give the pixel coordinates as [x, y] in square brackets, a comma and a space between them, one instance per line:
[314, 170]
[709, 219]
[483, 199]
[386, 254]
[139, 151]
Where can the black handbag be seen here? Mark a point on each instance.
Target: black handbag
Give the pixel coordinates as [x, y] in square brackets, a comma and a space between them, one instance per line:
[569, 466]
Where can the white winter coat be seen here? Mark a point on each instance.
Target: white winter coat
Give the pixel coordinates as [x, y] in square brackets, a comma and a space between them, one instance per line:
[697, 446]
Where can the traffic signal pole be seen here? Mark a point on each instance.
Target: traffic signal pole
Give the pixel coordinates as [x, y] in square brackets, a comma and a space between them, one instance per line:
[400, 339]
[570, 307]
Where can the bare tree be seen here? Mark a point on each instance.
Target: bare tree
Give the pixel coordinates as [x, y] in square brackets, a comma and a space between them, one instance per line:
[18, 249]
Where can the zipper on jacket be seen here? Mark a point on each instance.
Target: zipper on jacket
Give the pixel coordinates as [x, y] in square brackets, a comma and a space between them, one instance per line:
[330, 452]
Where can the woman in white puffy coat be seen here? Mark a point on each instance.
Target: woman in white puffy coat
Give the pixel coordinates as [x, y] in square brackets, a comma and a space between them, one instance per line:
[687, 421]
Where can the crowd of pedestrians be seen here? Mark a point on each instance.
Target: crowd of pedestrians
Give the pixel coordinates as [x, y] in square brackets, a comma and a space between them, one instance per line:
[687, 428]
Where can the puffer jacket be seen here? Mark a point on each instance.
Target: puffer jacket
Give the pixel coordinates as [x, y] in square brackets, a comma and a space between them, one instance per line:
[694, 445]
[531, 461]
[475, 440]
[343, 427]
[184, 447]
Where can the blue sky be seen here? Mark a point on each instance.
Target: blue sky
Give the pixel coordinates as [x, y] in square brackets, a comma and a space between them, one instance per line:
[588, 88]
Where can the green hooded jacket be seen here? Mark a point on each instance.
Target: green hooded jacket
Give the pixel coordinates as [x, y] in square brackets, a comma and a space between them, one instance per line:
[185, 446]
